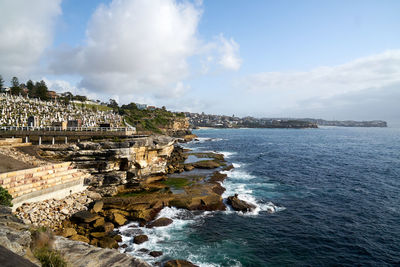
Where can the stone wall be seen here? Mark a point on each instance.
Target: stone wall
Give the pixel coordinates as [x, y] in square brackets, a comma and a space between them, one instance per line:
[31, 184]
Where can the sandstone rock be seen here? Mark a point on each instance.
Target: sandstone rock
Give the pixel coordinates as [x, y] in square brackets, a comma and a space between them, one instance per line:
[99, 222]
[206, 164]
[155, 253]
[67, 232]
[93, 195]
[188, 167]
[240, 205]
[98, 206]
[84, 216]
[64, 211]
[82, 255]
[139, 239]
[80, 238]
[179, 263]
[94, 242]
[160, 222]
[108, 227]
[119, 219]
[124, 246]
[117, 238]
[108, 242]
[98, 234]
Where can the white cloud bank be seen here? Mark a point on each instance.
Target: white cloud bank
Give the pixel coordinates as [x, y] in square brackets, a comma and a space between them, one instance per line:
[292, 93]
[140, 48]
[26, 30]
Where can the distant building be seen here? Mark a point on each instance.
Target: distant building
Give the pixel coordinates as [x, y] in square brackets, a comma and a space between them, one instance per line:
[52, 94]
[141, 106]
[151, 108]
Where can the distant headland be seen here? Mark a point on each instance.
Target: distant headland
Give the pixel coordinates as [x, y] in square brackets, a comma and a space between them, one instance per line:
[222, 121]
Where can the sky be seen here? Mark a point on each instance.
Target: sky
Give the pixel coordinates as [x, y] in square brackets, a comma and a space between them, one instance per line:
[320, 59]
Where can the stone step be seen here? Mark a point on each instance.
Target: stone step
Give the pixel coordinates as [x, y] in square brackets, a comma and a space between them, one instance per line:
[6, 141]
[22, 189]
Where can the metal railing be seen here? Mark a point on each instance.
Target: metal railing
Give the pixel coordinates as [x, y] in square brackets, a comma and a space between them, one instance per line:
[68, 129]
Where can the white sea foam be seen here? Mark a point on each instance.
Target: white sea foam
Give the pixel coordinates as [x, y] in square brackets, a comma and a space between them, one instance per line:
[234, 186]
[227, 154]
[207, 139]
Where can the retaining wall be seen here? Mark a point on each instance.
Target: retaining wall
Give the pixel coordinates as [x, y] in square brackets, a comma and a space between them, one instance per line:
[43, 182]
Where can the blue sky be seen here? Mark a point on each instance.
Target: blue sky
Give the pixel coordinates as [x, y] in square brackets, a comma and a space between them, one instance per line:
[329, 59]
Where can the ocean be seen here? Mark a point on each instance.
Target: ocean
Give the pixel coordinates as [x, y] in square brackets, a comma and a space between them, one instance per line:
[327, 196]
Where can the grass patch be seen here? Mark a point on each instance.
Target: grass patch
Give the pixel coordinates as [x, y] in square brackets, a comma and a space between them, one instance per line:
[49, 257]
[137, 193]
[176, 183]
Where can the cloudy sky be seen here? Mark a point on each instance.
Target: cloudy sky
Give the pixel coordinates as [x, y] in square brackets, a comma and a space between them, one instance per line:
[322, 59]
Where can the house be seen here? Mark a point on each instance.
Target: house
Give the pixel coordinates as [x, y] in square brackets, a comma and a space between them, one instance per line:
[52, 94]
[141, 106]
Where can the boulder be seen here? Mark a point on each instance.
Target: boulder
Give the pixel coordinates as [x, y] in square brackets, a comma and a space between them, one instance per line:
[108, 227]
[108, 242]
[139, 239]
[117, 238]
[160, 222]
[98, 206]
[155, 253]
[99, 222]
[179, 263]
[206, 164]
[84, 216]
[98, 234]
[67, 232]
[93, 195]
[188, 167]
[240, 205]
[80, 238]
[119, 219]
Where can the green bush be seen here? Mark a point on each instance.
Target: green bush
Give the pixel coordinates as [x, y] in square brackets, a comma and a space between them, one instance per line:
[49, 258]
[5, 197]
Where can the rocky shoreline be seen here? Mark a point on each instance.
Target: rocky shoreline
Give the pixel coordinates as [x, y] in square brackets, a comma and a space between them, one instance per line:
[132, 181]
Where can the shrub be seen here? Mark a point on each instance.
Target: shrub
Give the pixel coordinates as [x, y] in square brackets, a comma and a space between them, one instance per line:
[49, 258]
[42, 242]
[5, 197]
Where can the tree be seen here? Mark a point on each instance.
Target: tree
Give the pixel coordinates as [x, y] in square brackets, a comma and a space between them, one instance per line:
[15, 89]
[112, 104]
[41, 90]
[1, 83]
[31, 88]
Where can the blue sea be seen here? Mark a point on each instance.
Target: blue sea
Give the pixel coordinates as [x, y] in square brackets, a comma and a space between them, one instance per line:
[325, 197]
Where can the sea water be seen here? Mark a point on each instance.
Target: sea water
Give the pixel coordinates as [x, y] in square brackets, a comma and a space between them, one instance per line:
[327, 196]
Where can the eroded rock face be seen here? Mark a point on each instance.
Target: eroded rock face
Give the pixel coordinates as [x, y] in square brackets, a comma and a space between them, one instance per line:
[110, 161]
[240, 205]
[79, 254]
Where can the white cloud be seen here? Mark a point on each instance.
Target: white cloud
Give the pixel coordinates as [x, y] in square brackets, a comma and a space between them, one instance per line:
[142, 48]
[134, 47]
[278, 91]
[26, 30]
[229, 53]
